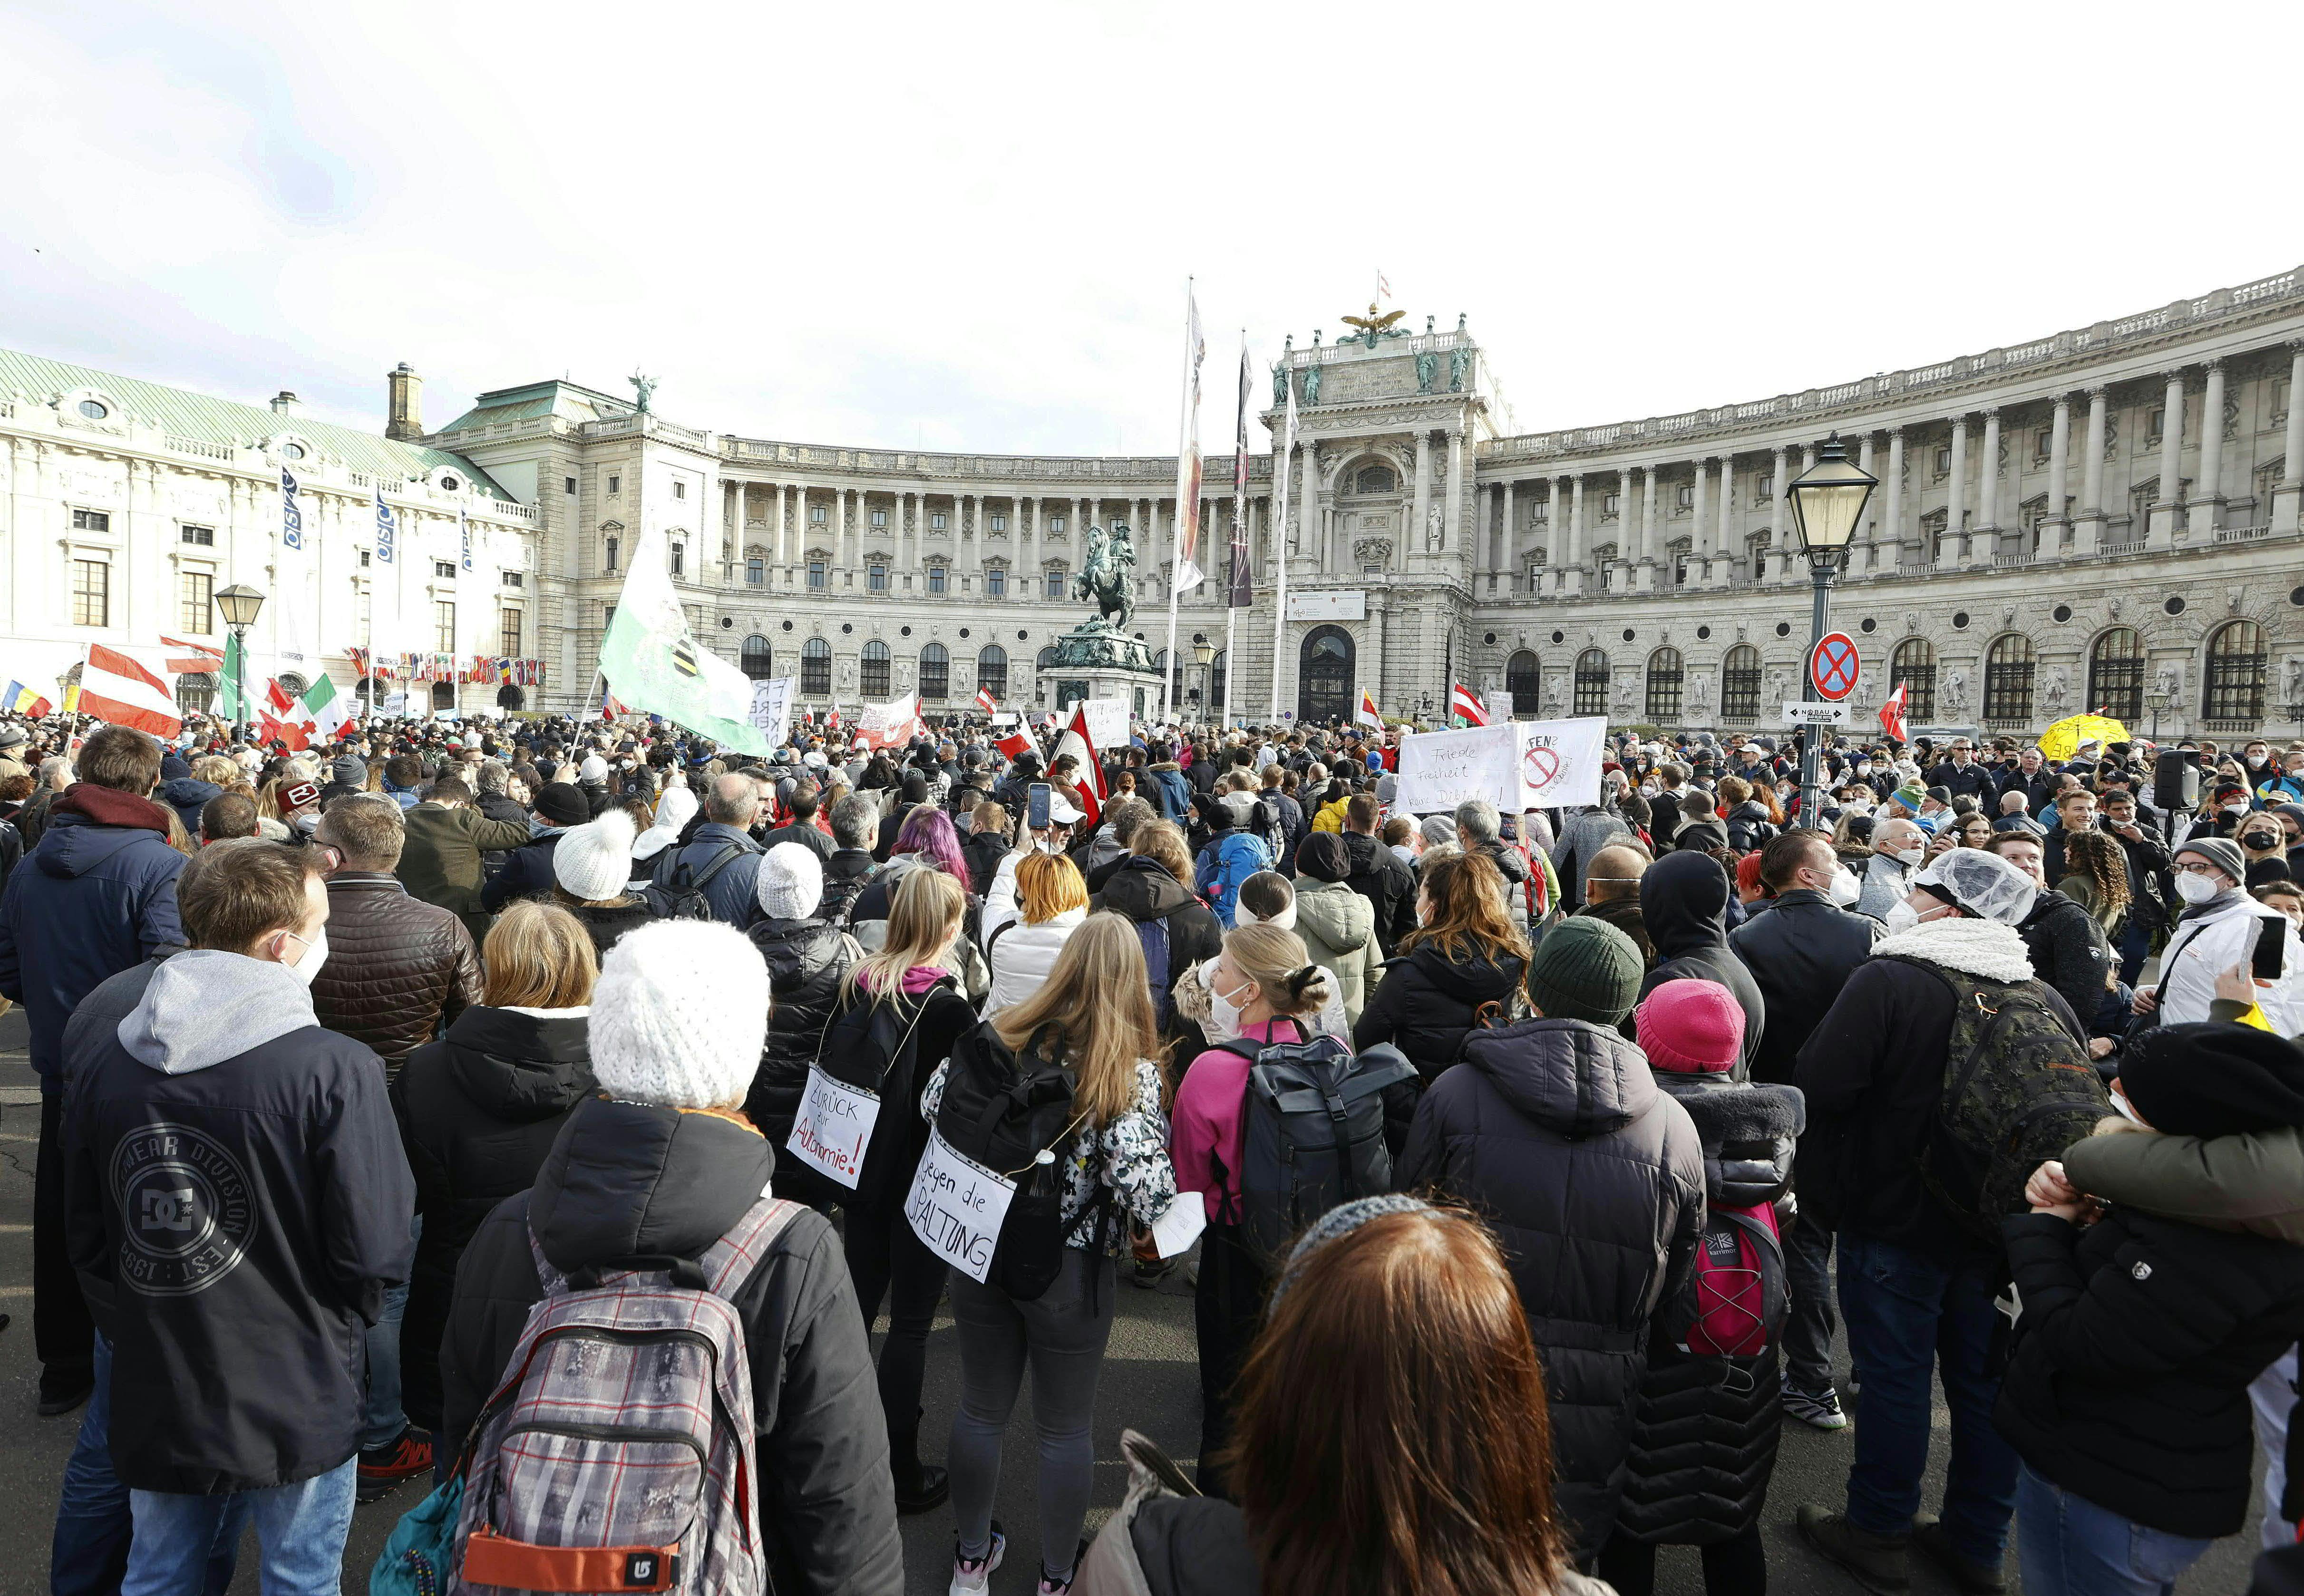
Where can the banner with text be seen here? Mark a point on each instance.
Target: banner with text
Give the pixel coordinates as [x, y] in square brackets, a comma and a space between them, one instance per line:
[956, 1207]
[1515, 765]
[772, 703]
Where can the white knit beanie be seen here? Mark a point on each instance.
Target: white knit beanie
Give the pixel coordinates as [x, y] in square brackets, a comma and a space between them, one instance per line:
[679, 1014]
[594, 769]
[791, 883]
[593, 862]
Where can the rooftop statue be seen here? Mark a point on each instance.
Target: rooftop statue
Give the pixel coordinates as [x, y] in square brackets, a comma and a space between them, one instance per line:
[1373, 326]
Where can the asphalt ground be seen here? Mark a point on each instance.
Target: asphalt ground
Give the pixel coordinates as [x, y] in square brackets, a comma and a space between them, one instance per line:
[1151, 1383]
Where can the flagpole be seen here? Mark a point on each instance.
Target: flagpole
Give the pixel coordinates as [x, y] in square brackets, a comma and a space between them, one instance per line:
[1232, 620]
[1188, 490]
[1283, 465]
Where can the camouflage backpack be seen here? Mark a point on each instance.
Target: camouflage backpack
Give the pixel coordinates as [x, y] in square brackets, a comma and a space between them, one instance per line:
[2018, 1088]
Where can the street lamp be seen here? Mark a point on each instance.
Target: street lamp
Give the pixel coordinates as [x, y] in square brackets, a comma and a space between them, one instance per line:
[1204, 653]
[1828, 506]
[239, 605]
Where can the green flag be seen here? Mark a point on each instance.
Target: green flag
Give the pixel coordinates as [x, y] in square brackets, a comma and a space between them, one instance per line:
[654, 663]
[227, 701]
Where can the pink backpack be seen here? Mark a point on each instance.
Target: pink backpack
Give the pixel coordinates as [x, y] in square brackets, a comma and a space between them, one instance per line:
[1739, 1293]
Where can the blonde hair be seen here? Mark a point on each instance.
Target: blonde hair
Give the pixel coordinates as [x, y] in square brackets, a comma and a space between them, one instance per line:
[1098, 999]
[1163, 842]
[1047, 885]
[267, 798]
[216, 769]
[924, 912]
[538, 956]
[1281, 966]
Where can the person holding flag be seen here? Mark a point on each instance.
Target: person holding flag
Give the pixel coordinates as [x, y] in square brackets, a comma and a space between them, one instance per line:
[986, 702]
[1892, 712]
[1367, 714]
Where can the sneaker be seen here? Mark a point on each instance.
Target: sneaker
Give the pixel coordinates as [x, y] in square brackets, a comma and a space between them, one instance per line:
[1819, 1409]
[1149, 1276]
[971, 1575]
[1052, 1586]
[384, 1469]
[1972, 1577]
[1880, 1563]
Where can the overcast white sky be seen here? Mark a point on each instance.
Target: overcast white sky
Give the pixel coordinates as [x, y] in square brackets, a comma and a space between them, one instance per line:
[969, 227]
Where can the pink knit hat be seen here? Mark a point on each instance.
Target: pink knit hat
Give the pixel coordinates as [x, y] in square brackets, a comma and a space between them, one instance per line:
[1695, 1026]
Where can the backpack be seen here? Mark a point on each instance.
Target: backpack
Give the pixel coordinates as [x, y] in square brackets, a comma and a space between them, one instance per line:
[626, 1373]
[1737, 1294]
[874, 1047]
[2017, 1089]
[1272, 828]
[682, 897]
[1005, 1110]
[1313, 1135]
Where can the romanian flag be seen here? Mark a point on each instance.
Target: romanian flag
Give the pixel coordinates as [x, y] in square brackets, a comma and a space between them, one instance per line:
[114, 688]
[1367, 714]
[16, 698]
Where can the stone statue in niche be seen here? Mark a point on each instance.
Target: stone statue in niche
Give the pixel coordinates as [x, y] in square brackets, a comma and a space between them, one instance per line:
[2291, 674]
[1779, 688]
[2168, 681]
[1700, 698]
[2058, 693]
[1627, 695]
[1427, 371]
[1434, 536]
[1555, 693]
[1956, 690]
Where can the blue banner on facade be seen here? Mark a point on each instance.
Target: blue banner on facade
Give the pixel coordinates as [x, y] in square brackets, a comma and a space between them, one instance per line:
[292, 515]
[387, 527]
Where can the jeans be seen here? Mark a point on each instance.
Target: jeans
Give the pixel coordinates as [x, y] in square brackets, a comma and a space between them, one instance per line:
[2134, 944]
[88, 1555]
[885, 1258]
[2272, 1395]
[1062, 1335]
[300, 1529]
[1226, 1305]
[63, 1336]
[2068, 1546]
[382, 1420]
[1908, 1314]
[1808, 1327]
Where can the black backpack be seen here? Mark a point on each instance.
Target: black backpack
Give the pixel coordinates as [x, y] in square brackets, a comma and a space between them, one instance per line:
[2017, 1089]
[1314, 1133]
[682, 897]
[1012, 1113]
[874, 1046]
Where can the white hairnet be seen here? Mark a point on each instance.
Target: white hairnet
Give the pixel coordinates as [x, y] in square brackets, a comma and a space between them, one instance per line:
[1983, 883]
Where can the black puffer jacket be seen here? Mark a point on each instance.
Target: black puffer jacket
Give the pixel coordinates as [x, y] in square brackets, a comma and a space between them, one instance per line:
[2128, 1380]
[1425, 1004]
[844, 875]
[1800, 954]
[1593, 1180]
[1684, 905]
[479, 1109]
[805, 959]
[1748, 826]
[1704, 1442]
[626, 1179]
[2069, 951]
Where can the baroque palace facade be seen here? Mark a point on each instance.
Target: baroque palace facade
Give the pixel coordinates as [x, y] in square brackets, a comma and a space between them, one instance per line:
[2106, 517]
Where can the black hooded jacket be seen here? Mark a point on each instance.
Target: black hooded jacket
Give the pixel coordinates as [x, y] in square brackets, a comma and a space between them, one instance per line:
[1142, 890]
[1378, 875]
[1684, 905]
[626, 1179]
[479, 1109]
[1593, 1180]
[805, 959]
[1427, 1003]
[1801, 954]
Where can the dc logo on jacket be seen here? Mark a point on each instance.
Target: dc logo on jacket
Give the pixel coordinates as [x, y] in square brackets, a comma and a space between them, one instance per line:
[186, 1210]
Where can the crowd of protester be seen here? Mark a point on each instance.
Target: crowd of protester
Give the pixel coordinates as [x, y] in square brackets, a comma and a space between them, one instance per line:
[364, 1067]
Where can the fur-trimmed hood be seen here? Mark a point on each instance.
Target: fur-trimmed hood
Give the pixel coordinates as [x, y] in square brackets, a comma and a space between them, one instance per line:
[1983, 948]
[1749, 1132]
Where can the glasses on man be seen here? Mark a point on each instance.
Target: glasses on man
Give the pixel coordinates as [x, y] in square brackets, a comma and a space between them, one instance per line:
[2196, 868]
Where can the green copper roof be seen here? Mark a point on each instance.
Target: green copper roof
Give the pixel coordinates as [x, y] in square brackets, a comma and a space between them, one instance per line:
[209, 420]
[571, 401]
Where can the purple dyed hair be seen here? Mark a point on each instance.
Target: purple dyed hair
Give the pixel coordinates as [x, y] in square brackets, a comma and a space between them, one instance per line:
[928, 831]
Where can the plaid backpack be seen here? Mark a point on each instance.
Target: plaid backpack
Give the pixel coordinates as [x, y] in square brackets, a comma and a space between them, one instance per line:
[616, 1454]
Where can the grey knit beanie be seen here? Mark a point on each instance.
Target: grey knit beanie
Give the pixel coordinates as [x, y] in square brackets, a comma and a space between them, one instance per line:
[2222, 852]
[1339, 1220]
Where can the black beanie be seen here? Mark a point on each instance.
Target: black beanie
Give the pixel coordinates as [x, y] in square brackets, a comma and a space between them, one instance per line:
[2213, 1079]
[1321, 855]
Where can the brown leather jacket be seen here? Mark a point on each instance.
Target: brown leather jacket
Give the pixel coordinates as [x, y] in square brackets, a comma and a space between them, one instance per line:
[398, 970]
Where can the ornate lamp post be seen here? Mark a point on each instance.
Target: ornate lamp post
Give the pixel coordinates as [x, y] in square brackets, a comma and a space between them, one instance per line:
[1827, 501]
[238, 605]
[1204, 653]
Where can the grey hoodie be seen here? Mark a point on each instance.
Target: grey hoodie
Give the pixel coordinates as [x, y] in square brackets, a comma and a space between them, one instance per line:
[204, 1006]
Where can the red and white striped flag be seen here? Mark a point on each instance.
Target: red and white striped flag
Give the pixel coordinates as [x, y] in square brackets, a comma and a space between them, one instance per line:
[1463, 701]
[986, 702]
[1015, 745]
[1076, 742]
[1892, 713]
[114, 688]
[194, 659]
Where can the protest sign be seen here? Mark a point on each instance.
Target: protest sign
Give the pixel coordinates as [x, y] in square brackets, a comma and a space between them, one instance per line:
[1107, 723]
[772, 707]
[890, 725]
[956, 1207]
[1514, 764]
[833, 1126]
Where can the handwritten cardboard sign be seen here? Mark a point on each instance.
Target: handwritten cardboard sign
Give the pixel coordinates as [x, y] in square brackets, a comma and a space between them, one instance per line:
[1514, 764]
[956, 1207]
[833, 1126]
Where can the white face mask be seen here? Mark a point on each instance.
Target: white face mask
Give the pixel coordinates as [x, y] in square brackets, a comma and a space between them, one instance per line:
[2235, 808]
[315, 954]
[1909, 855]
[1901, 917]
[1223, 1013]
[1845, 888]
[2196, 889]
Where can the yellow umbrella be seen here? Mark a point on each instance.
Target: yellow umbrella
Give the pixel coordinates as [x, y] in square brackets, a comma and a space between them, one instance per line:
[2062, 740]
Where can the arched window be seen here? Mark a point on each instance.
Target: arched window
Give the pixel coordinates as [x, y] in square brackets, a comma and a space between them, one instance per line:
[758, 659]
[1324, 674]
[2007, 667]
[1663, 687]
[935, 671]
[196, 693]
[444, 694]
[1739, 684]
[1913, 665]
[1217, 670]
[1375, 479]
[992, 670]
[1524, 680]
[1591, 683]
[816, 668]
[1046, 660]
[292, 684]
[873, 682]
[2234, 694]
[1175, 676]
[2115, 679]
[509, 696]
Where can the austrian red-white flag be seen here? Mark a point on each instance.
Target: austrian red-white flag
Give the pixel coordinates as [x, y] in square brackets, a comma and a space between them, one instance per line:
[114, 688]
[194, 659]
[1076, 742]
[986, 702]
[1463, 701]
[1892, 713]
[1015, 745]
[890, 725]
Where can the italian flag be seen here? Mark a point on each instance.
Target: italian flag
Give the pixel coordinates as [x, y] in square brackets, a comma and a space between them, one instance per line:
[327, 711]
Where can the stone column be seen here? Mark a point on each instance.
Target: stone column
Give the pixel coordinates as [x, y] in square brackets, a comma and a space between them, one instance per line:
[1307, 506]
[2087, 532]
[1987, 485]
[1032, 561]
[1507, 552]
[1955, 498]
[1576, 534]
[1646, 578]
[1699, 533]
[1722, 553]
[1625, 553]
[966, 552]
[2060, 451]
[1412, 537]
[2208, 488]
[2166, 507]
[1450, 535]
[1869, 534]
[2290, 493]
[1892, 517]
[1778, 557]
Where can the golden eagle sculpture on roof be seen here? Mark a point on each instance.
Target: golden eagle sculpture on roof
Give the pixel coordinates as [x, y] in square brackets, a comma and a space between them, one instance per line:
[1373, 326]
